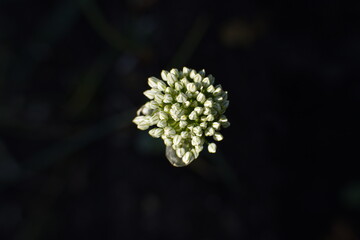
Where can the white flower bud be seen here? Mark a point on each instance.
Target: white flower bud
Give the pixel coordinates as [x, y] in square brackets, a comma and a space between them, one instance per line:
[192, 74]
[212, 148]
[171, 79]
[161, 85]
[159, 98]
[143, 126]
[175, 72]
[197, 131]
[201, 98]
[209, 132]
[178, 86]
[182, 124]
[164, 75]
[197, 78]
[167, 98]
[203, 118]
[167, 142]
[199, 148]
[191, 87]
[154, 119]
[163, 115]
[152, 81]
[146, 111]
[199, 110]
[184, 81]
[181, 97]
[216, 125]
[210, 89]
[180, 152]
[162, 123]
[218, 136]
[167, 108]
[218, 91]
[210, 118]
[177, 140]
[185, 134]
[203, 125]
[156, 132]
[186, 71]
[207, 111]
[188, 157]
[169, 131]
[150, 93]
[187, 104]
[195, 153]
[169, 90]
[139, 119]
[195, 141]
[152, 104]
[193, 115]
[189, 94]
[206, 82]
[208, 103]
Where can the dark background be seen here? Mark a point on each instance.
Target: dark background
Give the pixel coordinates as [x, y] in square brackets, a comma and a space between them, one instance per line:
[74, 166]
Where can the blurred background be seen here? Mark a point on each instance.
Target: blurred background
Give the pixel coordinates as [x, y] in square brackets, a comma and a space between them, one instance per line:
[74, 166]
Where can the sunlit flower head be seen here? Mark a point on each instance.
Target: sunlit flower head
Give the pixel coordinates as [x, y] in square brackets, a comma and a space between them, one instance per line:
[186, 110]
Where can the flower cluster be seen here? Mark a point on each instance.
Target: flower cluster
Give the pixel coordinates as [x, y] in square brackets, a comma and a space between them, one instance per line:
[186, 108]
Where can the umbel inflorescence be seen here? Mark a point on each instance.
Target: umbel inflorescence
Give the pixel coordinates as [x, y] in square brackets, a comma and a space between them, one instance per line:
[186, 110]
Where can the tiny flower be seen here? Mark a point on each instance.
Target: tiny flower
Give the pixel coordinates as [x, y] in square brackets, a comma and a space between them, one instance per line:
[182, 124]
[209, 132]
[185, 134]
[177, 140]
[156, 132]
[197, 78]
[180, 152]
[195, 141]
[210, 89]
[216, 125]
[164, 75]
[188, 157]
[191, 87]
[212, 148]
[162, 123]
[152, 81]
[193, 115]
[181, 97]
[150, 93]
[167, 98]
[201, 98]
[171, 79]
[206, 82]
[175, 72]
[184, 109]
[161, 85]
[192, 74]
[168, 131]
[218, 136]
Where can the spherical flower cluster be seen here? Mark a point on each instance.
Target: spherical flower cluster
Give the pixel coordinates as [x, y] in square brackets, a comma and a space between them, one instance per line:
[186, 109]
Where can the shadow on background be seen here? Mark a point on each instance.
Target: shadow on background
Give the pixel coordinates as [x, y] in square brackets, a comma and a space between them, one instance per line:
[73, 166]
